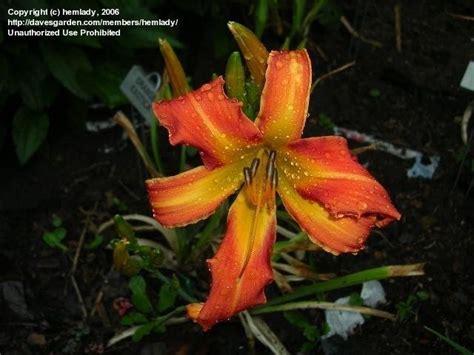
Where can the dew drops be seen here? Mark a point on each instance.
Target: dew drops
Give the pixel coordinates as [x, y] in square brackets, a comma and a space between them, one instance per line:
[210, 96]
[206, 87]
[198, 97]
[220, 97]
[362, 205]
[279, 64]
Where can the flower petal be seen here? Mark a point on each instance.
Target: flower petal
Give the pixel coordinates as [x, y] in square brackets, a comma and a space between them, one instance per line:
[335, 235]
[323, 170]
[285, 97]
[192, 195]
[208, 120]
[241, 267]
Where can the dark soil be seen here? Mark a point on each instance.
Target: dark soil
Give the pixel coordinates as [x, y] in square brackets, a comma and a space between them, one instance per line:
[420, 97]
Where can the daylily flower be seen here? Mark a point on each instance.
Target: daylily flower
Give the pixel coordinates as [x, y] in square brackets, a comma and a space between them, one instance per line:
[331, 196]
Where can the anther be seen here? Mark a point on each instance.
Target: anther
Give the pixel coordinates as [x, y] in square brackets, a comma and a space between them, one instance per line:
[247, 176]
[254, 166]
[274, 179]
[272, 156]
[270, 169]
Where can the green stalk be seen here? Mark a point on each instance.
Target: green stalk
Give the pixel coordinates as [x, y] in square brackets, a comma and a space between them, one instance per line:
[378, 273]
[155, 146]
[164, 279]
[182, 158]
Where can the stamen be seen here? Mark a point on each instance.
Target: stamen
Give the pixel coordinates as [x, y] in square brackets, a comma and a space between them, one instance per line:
[254, 166]
[248, 177]
[272, 156]
[270, 165]
[274, 179]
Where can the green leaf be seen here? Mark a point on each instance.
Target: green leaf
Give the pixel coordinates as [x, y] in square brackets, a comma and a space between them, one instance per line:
[37, 89]
[143, 331]
[374, 93]
[132, 318]
[137, 284]
[124, 229]
[66, 63]
[56, 221]
[119, 204]
[423, 295]
[355, 299]
[325, 121]
[104, 82]
[29, 131]
[94, 243]
[261, 17]
[235, 77]
[167, 297]
[253, 99]
[53, 239]
[298, 320]
[139, 297]
[298, 14]
[459, 348]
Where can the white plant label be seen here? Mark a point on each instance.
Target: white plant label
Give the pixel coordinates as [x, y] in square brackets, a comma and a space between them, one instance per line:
[467, 81]
[140, 89]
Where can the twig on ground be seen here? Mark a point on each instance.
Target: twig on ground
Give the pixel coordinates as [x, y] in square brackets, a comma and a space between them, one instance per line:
[461, 17]
[398, 32]
[356, 34]
[465, 121]
[79, 296]
[331, 73]
[78, 251]
[130, 192]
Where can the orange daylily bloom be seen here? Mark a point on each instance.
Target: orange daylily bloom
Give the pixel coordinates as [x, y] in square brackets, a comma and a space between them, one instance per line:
[328, 193]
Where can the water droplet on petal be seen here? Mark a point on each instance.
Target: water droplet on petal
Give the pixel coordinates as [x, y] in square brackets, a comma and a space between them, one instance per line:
[206, 87]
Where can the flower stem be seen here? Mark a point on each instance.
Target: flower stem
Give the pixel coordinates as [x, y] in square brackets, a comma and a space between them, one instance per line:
[182, 158]
[378, 273]
[324, 305]
[155, 146]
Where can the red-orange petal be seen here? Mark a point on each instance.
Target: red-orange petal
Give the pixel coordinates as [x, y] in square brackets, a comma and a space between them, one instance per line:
[285, 97]
[208, 120]
[335, 235]
[241, 267]
[323, 170]
[193, 195]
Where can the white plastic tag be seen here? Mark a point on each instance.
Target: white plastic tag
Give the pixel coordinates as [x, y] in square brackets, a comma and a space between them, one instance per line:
[467, 81]
[140, 89]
